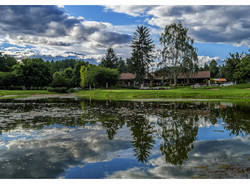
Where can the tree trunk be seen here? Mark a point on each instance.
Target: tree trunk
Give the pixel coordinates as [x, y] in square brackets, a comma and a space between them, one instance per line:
[175, 79]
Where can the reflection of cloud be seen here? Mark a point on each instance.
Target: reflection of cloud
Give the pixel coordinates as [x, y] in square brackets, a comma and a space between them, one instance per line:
[68, 140]
[52, 150]
[208, 159]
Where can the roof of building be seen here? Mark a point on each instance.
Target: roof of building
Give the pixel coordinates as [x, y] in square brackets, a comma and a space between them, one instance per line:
[199, 75]
[127, 76]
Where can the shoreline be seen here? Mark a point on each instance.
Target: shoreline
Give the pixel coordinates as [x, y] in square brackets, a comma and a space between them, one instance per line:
[178, 94]
[73, 98]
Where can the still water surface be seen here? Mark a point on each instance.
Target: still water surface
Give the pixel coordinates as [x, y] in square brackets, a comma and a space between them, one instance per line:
[91, 139]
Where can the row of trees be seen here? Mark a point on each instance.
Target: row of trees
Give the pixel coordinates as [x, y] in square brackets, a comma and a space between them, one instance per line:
[96, 76]
[35, 72]
[176, 55]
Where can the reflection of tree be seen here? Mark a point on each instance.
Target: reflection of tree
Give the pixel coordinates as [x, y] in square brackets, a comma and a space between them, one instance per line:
[142, 137]
[176, 122]
[104, 113]
[236, 118]
[178, 134]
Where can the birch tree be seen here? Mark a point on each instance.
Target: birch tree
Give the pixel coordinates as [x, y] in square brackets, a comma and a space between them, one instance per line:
[177, 48]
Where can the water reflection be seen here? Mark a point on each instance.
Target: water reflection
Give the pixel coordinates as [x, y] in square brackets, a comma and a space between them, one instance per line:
[47, 140]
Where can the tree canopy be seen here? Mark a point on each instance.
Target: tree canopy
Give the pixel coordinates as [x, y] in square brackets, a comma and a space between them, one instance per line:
[96, 76]
[110, 60]
[177, 49]
[142, 52]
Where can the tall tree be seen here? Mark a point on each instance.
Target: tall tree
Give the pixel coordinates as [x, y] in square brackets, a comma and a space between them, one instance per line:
[214, 69]
[110, 60]
[76, 74]
[6, 63]
[142, 53]
[121, 65]
[33, 72]
[177, 47]
[232, 65]
[242, 73]
[206, 67]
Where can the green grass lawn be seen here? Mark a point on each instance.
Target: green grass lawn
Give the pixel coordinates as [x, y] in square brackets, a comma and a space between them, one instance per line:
[238, 92]
[21, 93]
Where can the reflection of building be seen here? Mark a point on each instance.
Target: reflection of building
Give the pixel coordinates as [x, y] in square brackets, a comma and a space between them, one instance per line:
[201, 77]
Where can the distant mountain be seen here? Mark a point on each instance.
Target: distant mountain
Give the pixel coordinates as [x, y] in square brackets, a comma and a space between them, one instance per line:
[57, 58]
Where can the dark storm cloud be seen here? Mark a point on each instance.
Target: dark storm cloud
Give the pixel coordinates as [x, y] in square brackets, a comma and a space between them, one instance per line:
[113, 38]
[50, 22]
[34, 19]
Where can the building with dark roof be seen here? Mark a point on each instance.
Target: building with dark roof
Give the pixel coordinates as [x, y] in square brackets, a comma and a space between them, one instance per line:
[201, 77]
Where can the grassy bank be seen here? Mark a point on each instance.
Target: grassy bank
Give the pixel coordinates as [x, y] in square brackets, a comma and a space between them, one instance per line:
[235, 93]
[239, 93]
[10, 94]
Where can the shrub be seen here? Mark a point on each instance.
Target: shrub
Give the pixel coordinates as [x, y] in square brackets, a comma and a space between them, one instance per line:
[57, 89]
[98, 76]
[70, 90]
[59, 80]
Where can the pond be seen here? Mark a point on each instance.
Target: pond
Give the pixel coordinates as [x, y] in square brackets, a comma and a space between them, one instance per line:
[104, 139]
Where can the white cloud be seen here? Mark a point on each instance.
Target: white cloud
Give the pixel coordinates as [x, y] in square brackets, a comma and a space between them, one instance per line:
[51, 31]
[205, 59]
[215, 24]
[131, 10]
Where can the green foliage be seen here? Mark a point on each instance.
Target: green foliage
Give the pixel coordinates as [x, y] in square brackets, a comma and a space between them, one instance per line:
[213, 68]
[59, 80]
[237, 67]
[57, 89]
[83, 76]
[130, 66]
[6, 63]
[177, 49]
[70, 90]
[70, 69]
[121, 66]
[33, 72]
[95, 76]
[76, 74]
[7, 79]
[56, 66]
[142, 53]
[110, 60]
[68, 72]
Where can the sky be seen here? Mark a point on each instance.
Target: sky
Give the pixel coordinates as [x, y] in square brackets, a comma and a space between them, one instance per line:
[86, 32]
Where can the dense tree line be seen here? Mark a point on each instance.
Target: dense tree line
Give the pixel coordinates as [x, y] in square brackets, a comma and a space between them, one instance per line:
[35, 72]
[176, 55]
[96, 76]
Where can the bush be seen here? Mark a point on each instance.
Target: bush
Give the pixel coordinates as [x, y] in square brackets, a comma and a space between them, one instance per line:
[70, 90]
[57, 89]
[8, 79]
[59, 80]
[98, 76]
